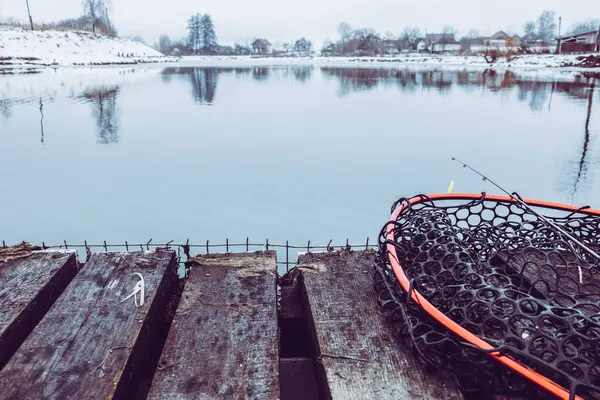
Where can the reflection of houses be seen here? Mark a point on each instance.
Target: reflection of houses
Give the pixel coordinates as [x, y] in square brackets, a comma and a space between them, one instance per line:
[261, 74]
[262, 46]
[579, 43]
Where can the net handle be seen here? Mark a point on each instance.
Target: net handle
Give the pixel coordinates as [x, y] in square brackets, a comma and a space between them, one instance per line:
[516, 366]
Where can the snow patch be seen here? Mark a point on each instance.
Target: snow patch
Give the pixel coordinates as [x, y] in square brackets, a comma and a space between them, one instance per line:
[20, 47]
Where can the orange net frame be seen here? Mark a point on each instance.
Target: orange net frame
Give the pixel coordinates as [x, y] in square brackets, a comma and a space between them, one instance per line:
[483, 288]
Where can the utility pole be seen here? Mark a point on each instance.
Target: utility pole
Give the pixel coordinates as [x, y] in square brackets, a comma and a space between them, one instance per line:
[559, 41]
[598, 39]
[29, 13]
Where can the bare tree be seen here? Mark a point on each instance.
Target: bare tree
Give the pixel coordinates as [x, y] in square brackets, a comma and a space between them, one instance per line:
[303, 46]
[390, 36]
[546, 25]
[529, 27]
[587, 26]
[473, 34]
[164, 42]
[29, 13]
[448, 33]
[97, 11]
[208, 35]
[411, 35]
[194, 28]
[345, 31]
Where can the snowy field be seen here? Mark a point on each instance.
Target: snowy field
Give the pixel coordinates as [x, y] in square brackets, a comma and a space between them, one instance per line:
[19, 47]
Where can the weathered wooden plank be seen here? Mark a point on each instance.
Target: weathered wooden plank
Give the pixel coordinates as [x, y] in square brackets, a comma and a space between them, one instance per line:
[90, 344]
[359, 357]
[29, 285]
[223, 341]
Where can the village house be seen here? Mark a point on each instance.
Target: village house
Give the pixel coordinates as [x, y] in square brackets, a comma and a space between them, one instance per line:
[502, 40]
[532, 40]
[441, 42]
[579, 43]
[262, 46]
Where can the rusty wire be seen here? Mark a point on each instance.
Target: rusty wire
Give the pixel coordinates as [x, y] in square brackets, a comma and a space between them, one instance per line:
[187, 247]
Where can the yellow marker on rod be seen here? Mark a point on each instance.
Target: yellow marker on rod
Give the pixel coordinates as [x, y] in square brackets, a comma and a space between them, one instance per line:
[451, 187]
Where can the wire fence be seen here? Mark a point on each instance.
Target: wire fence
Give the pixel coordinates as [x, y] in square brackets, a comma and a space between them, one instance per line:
[190, 250]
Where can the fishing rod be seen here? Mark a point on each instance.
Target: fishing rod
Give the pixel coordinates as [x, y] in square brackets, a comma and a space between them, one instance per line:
[531, 210]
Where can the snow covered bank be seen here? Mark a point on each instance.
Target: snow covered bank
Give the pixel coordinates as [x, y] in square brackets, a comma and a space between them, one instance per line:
[19, 47]
[533, 61]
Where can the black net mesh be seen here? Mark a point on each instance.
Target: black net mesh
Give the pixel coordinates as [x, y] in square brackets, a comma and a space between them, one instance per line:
[507, 276]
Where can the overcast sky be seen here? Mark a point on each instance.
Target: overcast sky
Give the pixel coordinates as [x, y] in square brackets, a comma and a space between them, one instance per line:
[315, 19]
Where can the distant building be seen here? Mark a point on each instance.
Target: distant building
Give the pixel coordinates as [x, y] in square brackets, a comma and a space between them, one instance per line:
[262, 46]
[328, 50]
[502, 41]
[498, 39]
[579, 43]
[531, 39]
[392, 46]
[420, 44]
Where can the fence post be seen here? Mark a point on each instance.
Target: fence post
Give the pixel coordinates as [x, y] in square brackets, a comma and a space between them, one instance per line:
[106, 248]
[66, 246]
[267, 244]
[207, 251]
[3, 243]
[367, 246]
[287, 256]
[226, 245]
[247, 239]
[126, 246]
[308, 247]
[148, 245]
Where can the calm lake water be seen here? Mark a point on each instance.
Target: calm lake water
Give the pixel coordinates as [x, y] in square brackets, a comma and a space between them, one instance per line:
[292, 153]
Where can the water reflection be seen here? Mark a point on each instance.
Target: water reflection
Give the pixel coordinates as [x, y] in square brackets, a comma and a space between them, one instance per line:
[261, 74]
[535, 92]
[42, 119]
[203, 80]
[580, 168]
[106, 112]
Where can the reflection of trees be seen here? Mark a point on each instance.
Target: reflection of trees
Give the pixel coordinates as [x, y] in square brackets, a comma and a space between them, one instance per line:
[356, 80]
[261, 74]
[303, 73]
[535, 93]
[5, 108]
[106, 112]
[204, 81]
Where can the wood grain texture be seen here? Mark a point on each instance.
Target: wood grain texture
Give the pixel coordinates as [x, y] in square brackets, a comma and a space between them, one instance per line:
[223, 340]
[89, 345]
[354, 344]
[28, 288]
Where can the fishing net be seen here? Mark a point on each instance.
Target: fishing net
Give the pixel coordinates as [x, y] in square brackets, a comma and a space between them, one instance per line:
[507, 276]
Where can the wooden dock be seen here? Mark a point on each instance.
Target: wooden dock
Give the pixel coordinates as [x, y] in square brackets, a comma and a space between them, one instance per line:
[232, 329]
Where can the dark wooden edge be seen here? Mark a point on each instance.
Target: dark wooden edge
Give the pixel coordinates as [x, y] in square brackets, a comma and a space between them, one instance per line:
[142, 362]
[321, 375]
[16, 333]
